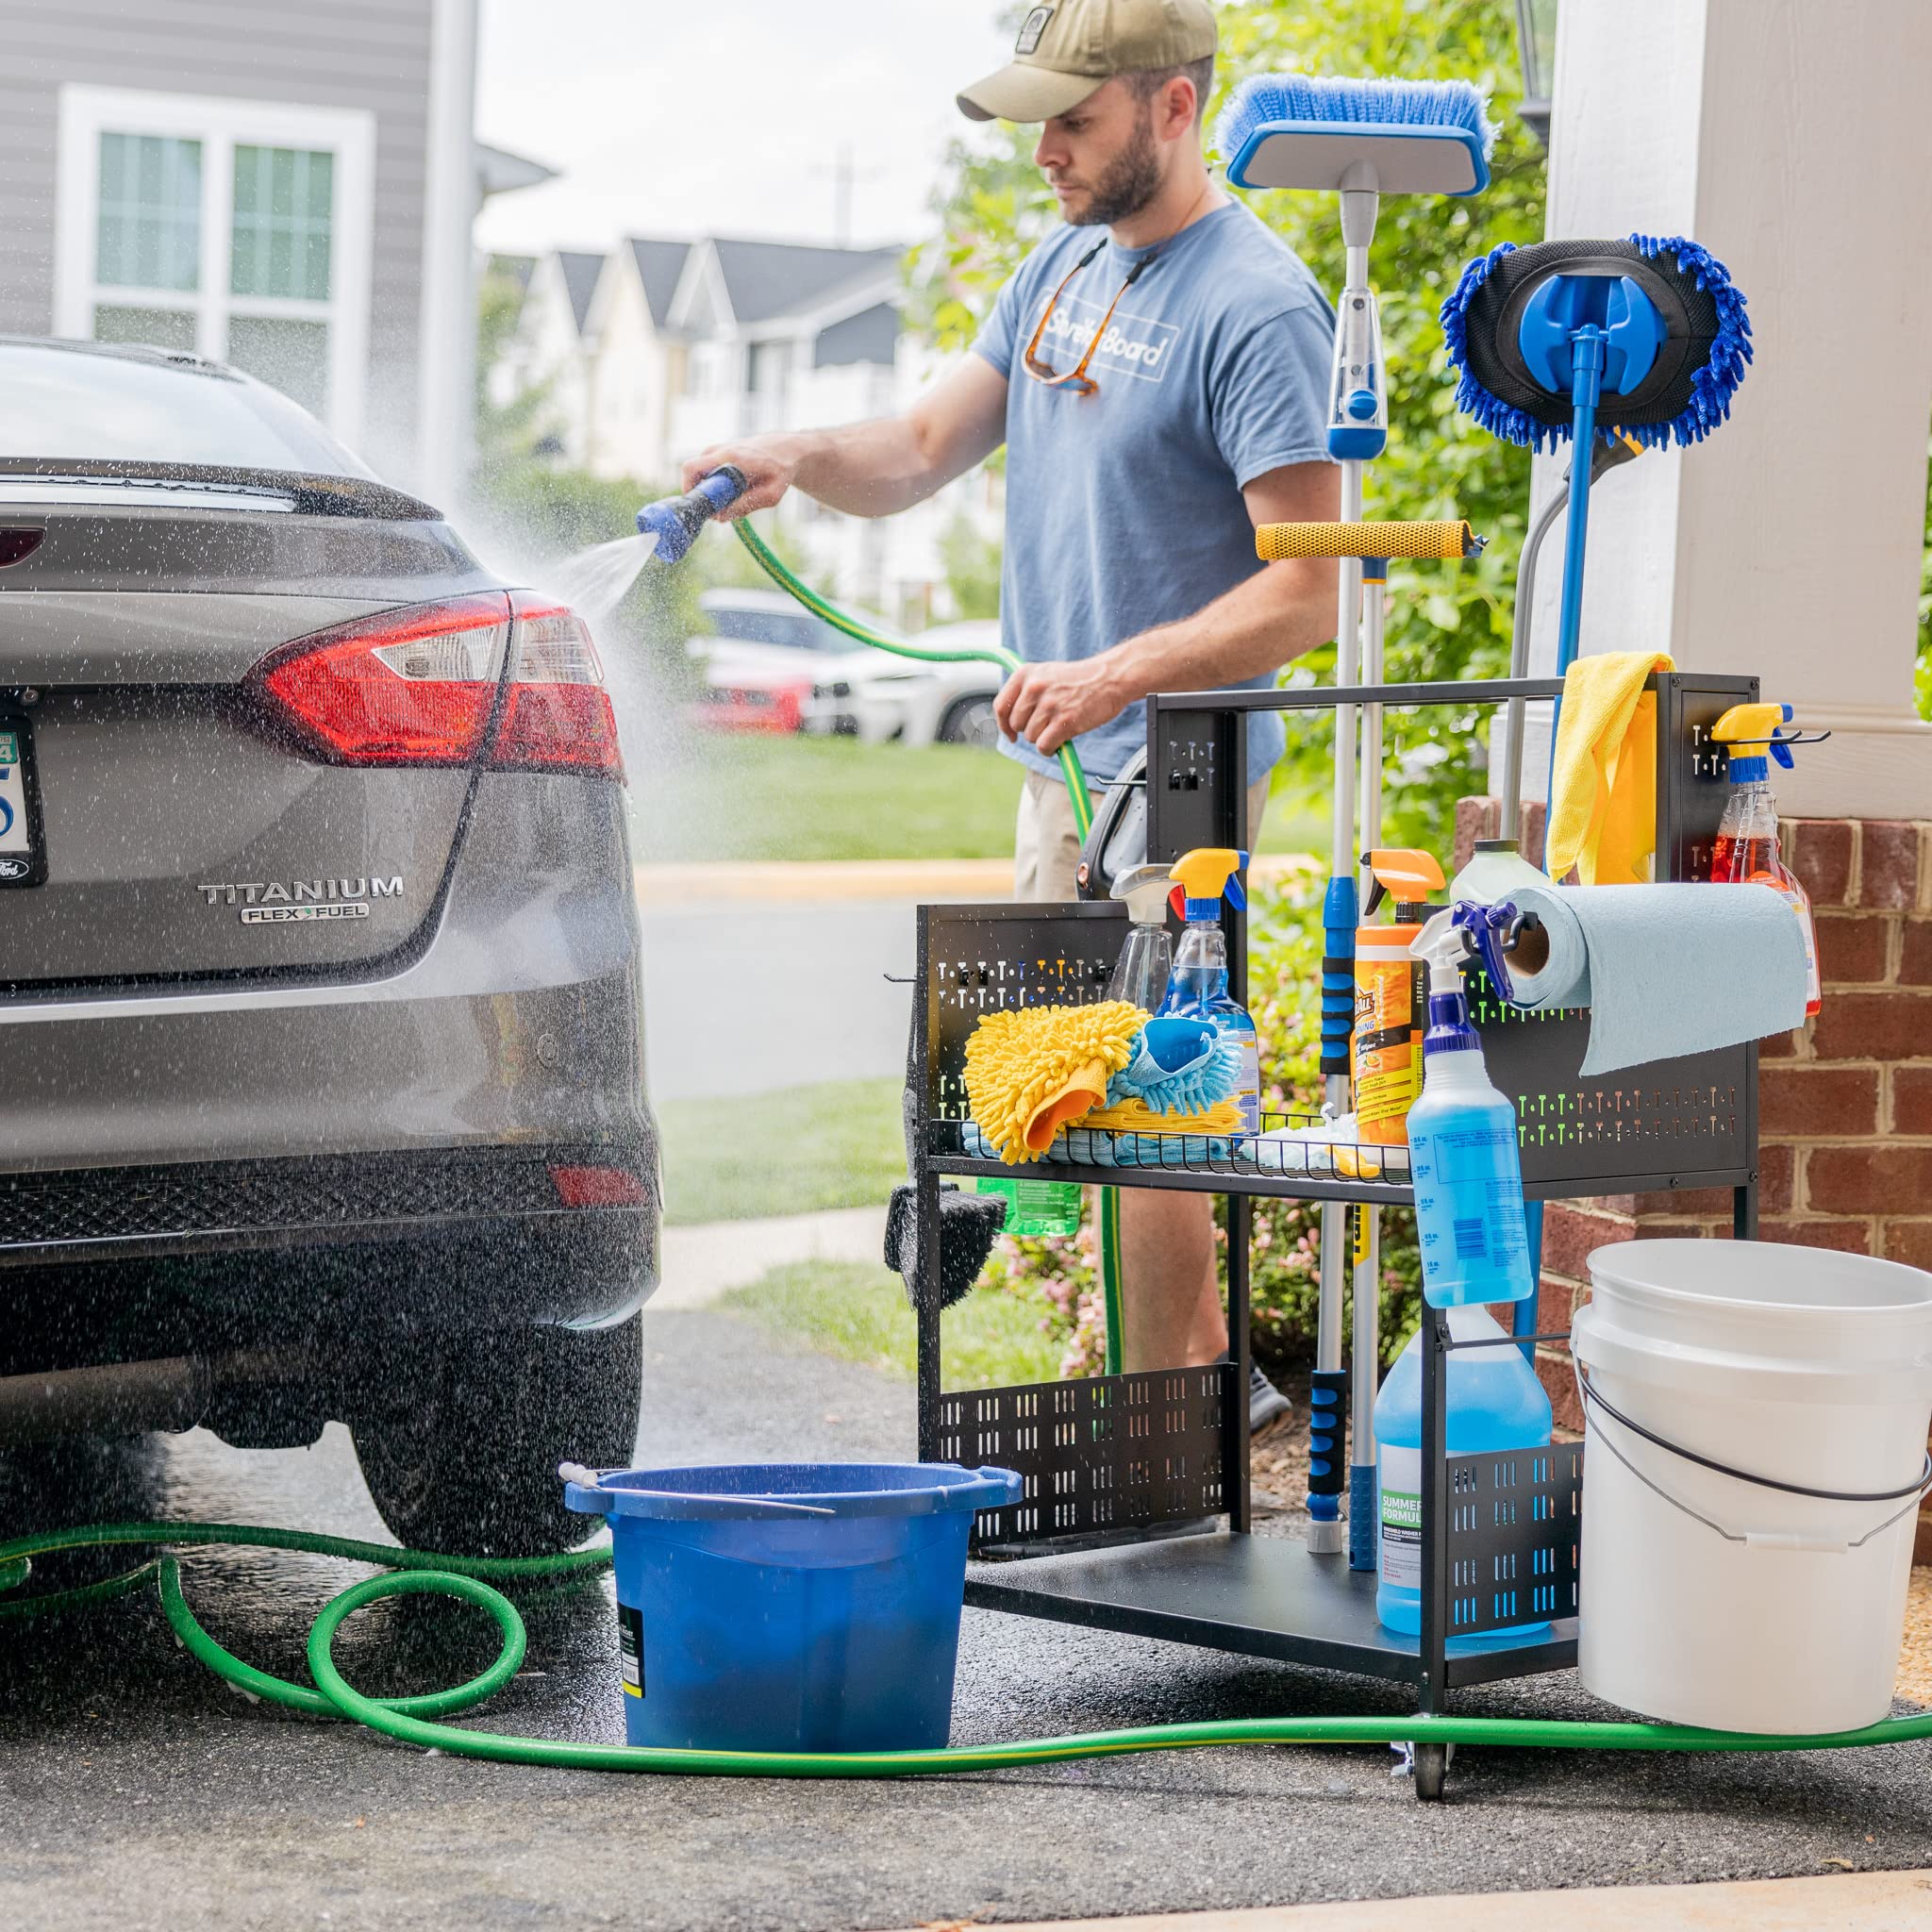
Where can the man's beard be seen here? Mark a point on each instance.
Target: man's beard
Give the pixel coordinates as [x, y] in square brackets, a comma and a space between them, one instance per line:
[1132, 179]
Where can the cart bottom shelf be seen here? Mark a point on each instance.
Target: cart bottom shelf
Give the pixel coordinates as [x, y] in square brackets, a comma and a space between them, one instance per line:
[1262, 1597]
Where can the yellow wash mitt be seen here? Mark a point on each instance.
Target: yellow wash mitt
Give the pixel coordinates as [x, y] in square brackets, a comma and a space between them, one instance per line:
[1132, 1116]
[1031, 1070]
[1602, 815]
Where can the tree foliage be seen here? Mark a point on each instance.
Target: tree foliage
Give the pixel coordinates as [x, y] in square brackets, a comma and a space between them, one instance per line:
[1444, 620]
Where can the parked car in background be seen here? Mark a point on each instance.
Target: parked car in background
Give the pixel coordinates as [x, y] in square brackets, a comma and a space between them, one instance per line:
[764, 641]
[322, 1087]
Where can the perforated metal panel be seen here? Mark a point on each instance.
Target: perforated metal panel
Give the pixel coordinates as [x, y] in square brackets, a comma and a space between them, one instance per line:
[1515, 1529]
[1119, 1452]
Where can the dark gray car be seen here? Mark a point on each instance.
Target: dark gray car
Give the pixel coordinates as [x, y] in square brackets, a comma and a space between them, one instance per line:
[322, 1086]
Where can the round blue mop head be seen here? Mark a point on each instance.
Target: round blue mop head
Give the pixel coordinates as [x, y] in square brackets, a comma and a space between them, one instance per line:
[1306, 130]
[1702, 340]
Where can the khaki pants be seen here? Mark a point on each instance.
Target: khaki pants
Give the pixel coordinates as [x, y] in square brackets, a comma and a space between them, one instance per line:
[1046, 847]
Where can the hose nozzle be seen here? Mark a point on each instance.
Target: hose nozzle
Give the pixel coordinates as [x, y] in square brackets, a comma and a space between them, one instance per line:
[676, 521]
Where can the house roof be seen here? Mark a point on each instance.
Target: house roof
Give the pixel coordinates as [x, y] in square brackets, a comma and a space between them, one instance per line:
[580, 271]
[660, 264]
[765, 279]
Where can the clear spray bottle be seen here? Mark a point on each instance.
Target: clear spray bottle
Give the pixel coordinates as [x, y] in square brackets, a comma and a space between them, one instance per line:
[1197, 988]
[1141, 971]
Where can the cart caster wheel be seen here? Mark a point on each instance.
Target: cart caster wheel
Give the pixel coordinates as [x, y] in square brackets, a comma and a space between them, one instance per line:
[1431, 1768]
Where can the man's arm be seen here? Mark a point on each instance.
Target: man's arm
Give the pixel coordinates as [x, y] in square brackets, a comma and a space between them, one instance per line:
[874, 469]
[1258, 626]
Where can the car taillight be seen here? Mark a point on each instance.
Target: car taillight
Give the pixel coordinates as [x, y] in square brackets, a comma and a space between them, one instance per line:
[420, 686]
[557, 716]
[412, 687]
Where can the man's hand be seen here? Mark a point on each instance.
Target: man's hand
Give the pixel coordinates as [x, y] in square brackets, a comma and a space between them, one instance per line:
[770, 464]
[1048, 704]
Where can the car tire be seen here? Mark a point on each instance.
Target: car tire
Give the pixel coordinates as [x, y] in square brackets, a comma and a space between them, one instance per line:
[460, 1445]
[969, 720]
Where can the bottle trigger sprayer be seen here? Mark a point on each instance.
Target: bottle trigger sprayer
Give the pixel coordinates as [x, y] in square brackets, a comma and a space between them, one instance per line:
[1391, 993]
[1746, 851]
[1197, 988]
[1463, 1147]
[1141, 971]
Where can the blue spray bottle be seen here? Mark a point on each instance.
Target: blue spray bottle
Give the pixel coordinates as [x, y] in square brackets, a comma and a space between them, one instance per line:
[1462, 1134]
[1197, 988]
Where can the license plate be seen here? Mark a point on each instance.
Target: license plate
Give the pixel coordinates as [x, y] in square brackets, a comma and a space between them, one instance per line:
[23, 852]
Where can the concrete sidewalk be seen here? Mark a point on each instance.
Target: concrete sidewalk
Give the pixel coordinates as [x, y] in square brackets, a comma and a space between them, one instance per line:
[699, 1264]
[1860, 1902]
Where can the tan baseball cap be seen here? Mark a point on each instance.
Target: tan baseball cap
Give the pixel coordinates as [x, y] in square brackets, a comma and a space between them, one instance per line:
[1065, 51]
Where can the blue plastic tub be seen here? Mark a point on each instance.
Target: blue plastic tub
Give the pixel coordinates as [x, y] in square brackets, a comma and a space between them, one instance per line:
[743, 1628]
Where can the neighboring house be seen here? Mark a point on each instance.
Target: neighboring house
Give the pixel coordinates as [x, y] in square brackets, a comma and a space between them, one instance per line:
[286, 188]
[549, 349]
[638, 361]
[689, 343]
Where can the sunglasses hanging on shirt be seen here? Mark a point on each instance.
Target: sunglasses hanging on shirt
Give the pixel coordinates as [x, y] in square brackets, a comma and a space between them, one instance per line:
[1076, 380]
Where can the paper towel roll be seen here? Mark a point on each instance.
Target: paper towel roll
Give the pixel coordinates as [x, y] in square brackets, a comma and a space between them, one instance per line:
[1665, 969]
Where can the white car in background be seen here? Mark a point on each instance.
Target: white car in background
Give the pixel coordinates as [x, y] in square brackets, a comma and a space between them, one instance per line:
[760, 636]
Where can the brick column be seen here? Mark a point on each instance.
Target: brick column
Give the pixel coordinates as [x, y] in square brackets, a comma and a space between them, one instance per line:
[1845, 1103]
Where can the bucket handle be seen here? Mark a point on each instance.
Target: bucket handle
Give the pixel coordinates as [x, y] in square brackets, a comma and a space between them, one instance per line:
[1753, 1539]
[593, 1479]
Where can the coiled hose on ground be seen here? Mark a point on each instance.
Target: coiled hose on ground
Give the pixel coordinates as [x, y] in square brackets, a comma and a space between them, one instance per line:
[411, 1720]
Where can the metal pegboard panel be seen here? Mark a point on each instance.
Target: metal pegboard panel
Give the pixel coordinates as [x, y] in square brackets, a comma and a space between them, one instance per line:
[1688, 1116]
[1118, 1451]
[1515, 1530]
[979, 960]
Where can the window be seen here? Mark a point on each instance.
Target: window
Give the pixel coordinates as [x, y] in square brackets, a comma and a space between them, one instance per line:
[238, 230]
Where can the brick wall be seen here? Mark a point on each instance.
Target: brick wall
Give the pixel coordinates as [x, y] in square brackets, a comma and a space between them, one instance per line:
[1845, 1103]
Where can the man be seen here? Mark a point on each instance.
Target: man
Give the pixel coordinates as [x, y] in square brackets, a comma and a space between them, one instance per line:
[1161, 386]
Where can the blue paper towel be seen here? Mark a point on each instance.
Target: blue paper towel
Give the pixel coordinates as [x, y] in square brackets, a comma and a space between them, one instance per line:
[1666, 970]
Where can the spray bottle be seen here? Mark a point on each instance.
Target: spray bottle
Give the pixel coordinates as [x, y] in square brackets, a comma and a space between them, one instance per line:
[1141, 971]
[1390, 995]
[1197, 990]
[1462, 1132]
[1746, 852]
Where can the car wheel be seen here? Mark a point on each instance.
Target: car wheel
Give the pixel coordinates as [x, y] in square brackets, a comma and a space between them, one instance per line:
[460, 1445]
[969, 720]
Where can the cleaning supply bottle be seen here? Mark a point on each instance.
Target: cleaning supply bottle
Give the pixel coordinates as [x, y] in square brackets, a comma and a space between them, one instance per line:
[1390, 995]
[1463, 1148]
[1746, 852]
[1495, 867]
[1495, 1402]
[1141, 971]
[1197, 989]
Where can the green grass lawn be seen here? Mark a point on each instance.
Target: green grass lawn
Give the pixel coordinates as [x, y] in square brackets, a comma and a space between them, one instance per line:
[818, 798]
[835, 1146]
[859, 1312]
[833, 798]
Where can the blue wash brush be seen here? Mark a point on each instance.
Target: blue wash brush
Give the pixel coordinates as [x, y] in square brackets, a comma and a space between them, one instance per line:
[1396, 136]
[1359, 138]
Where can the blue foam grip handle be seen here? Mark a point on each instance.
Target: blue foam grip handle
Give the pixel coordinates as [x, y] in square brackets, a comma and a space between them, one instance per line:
[1362, 1523]
[1327, 1411]
[1340, 917]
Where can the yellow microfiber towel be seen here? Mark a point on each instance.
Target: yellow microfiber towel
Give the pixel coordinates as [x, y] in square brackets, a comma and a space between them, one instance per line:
[1603, 813]
[1132, 1116]
[1031, 1070]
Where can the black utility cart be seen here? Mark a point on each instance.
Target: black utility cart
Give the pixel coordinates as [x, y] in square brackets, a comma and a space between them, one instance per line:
[1109, 1459]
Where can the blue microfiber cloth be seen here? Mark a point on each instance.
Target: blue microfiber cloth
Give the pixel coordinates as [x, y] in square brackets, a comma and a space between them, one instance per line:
[1178, 1066]
[1666, 970]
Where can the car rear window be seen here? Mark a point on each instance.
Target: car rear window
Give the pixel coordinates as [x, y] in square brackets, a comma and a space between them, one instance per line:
[73, 406]
[796, 630]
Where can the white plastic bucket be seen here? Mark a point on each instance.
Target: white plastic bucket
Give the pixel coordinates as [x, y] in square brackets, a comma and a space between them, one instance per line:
[1708, 1599]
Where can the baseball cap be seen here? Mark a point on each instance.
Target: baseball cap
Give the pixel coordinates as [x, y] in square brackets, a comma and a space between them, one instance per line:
[1065, 51]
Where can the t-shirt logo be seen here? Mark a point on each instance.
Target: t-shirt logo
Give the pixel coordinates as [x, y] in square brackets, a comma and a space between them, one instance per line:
[1031, 30]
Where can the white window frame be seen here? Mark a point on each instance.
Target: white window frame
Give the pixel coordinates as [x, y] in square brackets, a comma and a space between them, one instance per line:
[221, 124]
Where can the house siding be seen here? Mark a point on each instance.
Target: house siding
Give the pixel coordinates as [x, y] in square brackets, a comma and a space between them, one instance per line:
[372, 54]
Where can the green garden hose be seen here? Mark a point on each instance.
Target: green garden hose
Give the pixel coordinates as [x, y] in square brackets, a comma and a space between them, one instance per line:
[410, 1719]
[1083, 820]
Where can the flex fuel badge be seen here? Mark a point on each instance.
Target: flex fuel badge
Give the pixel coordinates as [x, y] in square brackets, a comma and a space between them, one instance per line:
[630, 1649]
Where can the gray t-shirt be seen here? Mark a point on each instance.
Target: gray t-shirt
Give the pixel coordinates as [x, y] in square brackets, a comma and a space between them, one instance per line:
[1124, 509]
